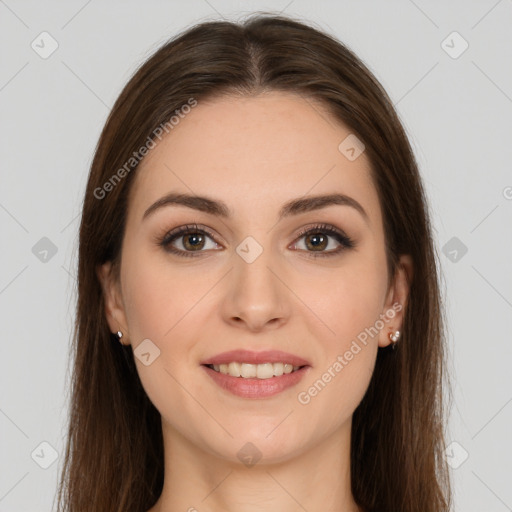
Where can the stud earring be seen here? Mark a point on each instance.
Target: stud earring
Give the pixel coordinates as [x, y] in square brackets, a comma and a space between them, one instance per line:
[394, 338]
[119, 335]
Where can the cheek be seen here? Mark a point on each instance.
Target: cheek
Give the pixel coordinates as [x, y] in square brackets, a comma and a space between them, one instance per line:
[350, 307]
[148, 304]
[160, 307]
[349, 300]
[341, 377]
[158, 297]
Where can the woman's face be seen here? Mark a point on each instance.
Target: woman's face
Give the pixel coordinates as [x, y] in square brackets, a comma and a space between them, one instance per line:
[249, 280]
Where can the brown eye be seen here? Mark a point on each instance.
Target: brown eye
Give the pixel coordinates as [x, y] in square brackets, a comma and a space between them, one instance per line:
[317, 240]
[193, 241]
[188, 241]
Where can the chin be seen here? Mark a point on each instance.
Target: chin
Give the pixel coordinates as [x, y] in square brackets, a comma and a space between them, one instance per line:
[258, 449]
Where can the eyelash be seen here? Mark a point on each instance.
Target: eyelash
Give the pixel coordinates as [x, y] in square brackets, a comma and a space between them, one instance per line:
[171, 236]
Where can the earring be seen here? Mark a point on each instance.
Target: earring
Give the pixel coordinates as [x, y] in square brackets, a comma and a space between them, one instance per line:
[394, 338]
[119, 335]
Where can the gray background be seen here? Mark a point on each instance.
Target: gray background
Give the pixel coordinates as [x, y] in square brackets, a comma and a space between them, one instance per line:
[457, 113]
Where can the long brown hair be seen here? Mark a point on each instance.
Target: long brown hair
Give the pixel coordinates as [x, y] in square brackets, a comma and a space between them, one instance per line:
[114, 453]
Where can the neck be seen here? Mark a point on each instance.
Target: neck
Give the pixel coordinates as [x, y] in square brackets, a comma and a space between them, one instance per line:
[315, 478]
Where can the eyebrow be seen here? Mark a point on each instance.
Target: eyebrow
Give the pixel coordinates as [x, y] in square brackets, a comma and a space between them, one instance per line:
[220, 209]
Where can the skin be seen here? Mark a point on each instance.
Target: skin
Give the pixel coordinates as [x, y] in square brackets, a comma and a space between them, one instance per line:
[255, 154]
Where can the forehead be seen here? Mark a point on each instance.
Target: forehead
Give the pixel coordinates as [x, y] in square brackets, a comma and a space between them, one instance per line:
[254, 152]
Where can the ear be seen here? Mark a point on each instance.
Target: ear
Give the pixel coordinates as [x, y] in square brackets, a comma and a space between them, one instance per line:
[396, 300]
[114, 308]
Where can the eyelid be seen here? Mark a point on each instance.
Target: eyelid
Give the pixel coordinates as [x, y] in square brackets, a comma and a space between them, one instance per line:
[332, 231]
[185, 228]
[180, 231]
[320, 226]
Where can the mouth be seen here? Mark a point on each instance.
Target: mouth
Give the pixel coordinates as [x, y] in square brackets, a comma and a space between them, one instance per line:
[254, 371]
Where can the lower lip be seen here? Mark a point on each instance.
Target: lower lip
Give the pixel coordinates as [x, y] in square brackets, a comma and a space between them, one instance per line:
[256, 388]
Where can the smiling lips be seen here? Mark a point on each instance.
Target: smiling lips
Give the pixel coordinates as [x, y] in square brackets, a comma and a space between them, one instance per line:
[256, 374]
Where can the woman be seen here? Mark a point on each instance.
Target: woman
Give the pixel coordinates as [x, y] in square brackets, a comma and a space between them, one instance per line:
[258, 321]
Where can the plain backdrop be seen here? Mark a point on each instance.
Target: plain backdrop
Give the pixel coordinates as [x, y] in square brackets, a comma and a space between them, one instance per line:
[446, 66]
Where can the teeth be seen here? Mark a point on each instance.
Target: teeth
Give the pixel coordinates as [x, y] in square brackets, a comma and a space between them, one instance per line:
[255, 371]
[233, 369]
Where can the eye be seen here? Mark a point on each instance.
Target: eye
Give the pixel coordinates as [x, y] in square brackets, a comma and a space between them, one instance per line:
[317, 239]
[191, 240]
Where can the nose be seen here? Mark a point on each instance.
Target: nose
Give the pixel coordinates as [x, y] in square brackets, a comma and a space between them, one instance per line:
[257, 297]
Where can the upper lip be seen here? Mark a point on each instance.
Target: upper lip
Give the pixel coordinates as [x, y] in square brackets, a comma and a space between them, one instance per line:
[248, 356]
